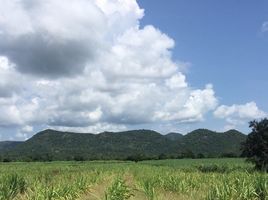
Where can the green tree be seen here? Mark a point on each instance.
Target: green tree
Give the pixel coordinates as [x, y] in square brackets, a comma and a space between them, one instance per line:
[200, 155]
[188, 154]
[256, 146]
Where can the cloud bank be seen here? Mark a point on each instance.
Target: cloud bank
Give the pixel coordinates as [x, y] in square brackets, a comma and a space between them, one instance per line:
[88, 65]
[239, 114]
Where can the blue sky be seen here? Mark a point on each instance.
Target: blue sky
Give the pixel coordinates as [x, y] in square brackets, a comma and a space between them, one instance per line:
[223, 41]
[101, 65]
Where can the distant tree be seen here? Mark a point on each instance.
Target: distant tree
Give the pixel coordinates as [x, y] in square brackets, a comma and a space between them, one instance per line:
[130, 158]
[188, 154]
[136, 157]
[47, 157]
[162, 156]
[79, 158]
[256, 146]
[200, 155]
[6, 159]
[228, 155]
[36, 157]
[27, 159]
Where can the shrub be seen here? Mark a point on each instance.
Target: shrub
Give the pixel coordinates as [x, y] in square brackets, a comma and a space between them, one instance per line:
[256, 146]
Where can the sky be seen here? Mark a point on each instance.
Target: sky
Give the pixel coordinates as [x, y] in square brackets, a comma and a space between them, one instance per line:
[114, 65]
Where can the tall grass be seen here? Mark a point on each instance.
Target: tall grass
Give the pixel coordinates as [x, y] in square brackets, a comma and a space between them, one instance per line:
[219, 179]
[148, 187]
[11, 186]
[240, 186]
[118, 191]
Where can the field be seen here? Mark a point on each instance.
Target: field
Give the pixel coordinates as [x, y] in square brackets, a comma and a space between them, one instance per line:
[209, 179]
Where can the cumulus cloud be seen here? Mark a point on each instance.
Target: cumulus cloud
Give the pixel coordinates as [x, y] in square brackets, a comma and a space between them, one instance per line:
[24, 132]
[87, 65]
[27, 129]
[239, 114]
[7, 76]
[246, 111]
[10, 116]
[50, 38]
[198, 103]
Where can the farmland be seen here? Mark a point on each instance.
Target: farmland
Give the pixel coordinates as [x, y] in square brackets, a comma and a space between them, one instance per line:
[114, 180]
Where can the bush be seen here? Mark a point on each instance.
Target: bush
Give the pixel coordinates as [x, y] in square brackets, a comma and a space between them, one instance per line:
[256, 146]
[6, 160]
[79, 158]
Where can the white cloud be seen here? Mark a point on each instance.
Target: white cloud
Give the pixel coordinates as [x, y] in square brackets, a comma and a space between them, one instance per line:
[51, 38]
[198, 103]
[27, 129]
[24, 132]
[140, 53]
[8, 78]
[246, 111]
[96, 128]
[10, 115]
[176, 81]
[239, 114]
[21, 136]
[121, 15]
[17, 23]
[87, 65]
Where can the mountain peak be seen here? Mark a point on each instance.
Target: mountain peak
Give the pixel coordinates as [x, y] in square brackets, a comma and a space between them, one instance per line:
[121, 145]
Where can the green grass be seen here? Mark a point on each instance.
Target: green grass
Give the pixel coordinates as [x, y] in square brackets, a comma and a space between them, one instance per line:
[208, 179]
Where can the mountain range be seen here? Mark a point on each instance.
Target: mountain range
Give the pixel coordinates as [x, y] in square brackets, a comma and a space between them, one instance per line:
[146, 144]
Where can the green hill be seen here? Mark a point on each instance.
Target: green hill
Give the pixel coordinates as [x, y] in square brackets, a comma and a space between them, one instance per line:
[56, 145]
[6, 145]
[213, 144]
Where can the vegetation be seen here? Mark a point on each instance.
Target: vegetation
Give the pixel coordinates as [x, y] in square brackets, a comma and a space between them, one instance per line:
[158, 178]
[188, 179]
[7, 145]
[136, 145]
[118, 191]
[256, 146]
